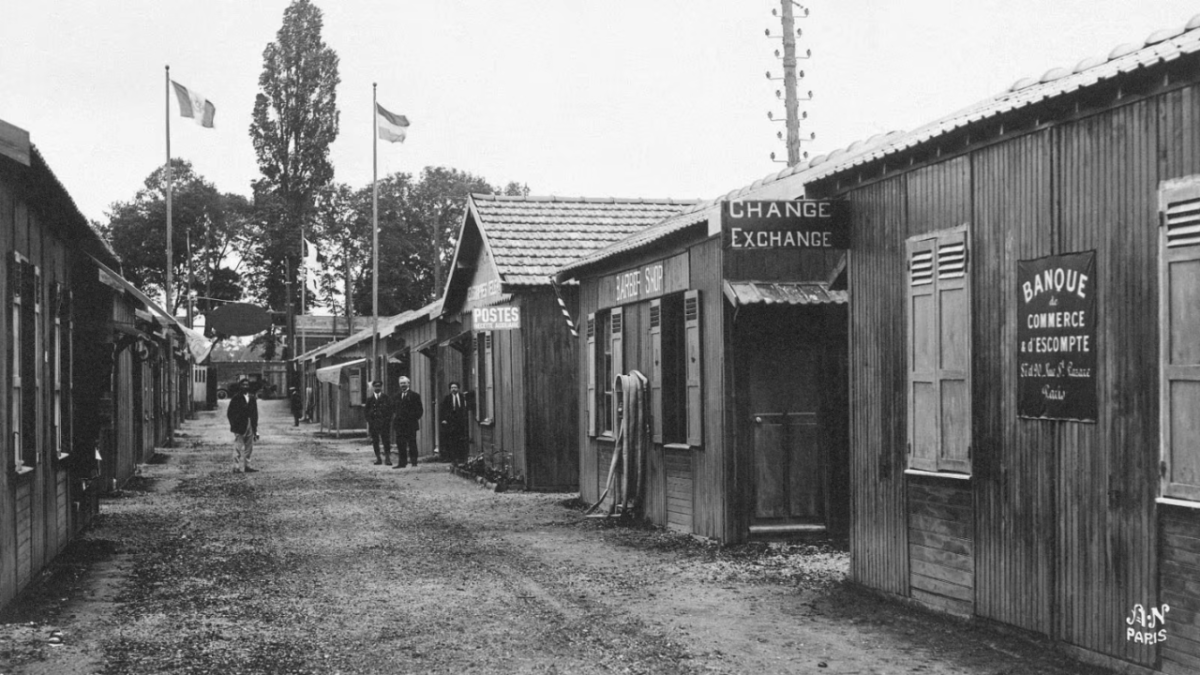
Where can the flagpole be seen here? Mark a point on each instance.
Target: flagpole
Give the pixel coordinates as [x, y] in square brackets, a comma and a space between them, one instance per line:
[170, 262]
[375, 236]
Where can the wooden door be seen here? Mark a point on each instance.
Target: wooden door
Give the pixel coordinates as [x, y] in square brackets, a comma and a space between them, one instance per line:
[789, 466]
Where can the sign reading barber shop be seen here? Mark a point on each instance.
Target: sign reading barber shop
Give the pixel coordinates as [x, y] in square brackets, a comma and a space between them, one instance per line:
[1056, 337]
[799, 224]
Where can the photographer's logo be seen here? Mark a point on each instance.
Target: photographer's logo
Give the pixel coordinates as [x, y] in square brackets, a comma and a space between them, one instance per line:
[1142, 625]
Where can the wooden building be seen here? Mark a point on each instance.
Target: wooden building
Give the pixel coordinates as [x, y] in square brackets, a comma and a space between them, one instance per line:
[52, 370]
[1022, 355]
[744, 350]
[518, 357]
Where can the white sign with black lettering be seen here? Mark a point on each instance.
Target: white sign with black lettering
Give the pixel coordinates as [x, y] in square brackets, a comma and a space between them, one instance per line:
[496, 318]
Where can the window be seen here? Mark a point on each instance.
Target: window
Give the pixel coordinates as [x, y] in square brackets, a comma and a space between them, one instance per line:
[56, 365]
[675, 379]
[939, 354]
[605, 361]
[1179, 351]
[24, 289]
[485, 381]
[16, 280]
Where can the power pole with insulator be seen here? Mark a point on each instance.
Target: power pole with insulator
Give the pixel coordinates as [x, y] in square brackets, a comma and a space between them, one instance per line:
[791, 75]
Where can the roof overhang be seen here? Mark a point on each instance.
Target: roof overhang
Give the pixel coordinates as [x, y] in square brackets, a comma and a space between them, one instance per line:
[771, 293]
[332, 374]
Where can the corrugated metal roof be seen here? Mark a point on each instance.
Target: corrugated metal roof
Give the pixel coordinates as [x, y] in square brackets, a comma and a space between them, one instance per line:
[778, 293]
[1160, 47]
[386, 326]
[530, 238]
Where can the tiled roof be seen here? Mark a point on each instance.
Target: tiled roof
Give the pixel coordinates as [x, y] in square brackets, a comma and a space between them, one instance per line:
[1160, 47]
[531, 237]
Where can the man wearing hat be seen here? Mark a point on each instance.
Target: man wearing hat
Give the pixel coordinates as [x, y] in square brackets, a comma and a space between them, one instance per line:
[297, 405]
[243, 422]
[379, 422]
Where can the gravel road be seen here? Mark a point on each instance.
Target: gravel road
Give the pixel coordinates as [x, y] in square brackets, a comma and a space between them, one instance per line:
[322, 562]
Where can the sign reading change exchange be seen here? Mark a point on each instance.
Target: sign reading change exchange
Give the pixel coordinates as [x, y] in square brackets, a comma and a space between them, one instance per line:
[1056, 337]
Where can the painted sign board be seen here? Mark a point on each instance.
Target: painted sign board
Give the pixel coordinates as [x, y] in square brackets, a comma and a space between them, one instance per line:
[239, 318]
[645, 282]
[501, 317]
[800, 224]
[1056, 337]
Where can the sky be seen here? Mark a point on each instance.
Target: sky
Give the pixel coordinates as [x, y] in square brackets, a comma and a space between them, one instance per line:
[594, 98]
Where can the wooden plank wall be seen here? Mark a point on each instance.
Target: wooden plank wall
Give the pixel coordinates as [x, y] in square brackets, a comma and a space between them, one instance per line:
[1180, 589]
[1107, 473]
[422, 374]
[877, 380]
[714, 464]
[1013, 461]
[509, 417]
[679, 492]
[552, 390]
[941, 543]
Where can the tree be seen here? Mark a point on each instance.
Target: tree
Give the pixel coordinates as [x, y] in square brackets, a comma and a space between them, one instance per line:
[295, 119]
[211, 221]
[438, 204]
[342, 232]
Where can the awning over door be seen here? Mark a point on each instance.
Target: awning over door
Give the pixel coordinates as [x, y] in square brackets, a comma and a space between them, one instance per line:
[782, 293]
[332, 374]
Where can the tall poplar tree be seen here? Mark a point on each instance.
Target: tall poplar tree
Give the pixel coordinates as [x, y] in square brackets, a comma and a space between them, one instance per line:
[295, 120]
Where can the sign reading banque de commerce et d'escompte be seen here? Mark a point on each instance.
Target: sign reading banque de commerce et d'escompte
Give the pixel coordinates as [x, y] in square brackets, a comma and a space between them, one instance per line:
[1056, 337]
[804, 224]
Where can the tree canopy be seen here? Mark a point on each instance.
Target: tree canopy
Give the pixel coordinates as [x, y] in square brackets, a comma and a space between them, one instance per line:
[213, 222]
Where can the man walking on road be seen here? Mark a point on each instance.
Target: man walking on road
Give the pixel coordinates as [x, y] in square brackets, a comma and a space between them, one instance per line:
[243, 422]
[408, 420]
[379, 422]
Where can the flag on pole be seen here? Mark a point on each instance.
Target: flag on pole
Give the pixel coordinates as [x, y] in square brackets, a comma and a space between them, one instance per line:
[312, 264]
[392, 127]
[193, 104]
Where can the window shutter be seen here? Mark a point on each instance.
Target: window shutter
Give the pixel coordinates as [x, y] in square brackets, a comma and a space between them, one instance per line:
[591, 375]
[923, 408]
[617, 323]
[656, 372]
[491, 375]
[16, 280]
[954, 351]
[477, 373]
[1179, 351]
[691, 328]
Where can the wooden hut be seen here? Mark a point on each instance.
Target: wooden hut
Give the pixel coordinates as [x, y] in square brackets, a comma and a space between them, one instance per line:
[1023, 360]
[744, 351]
[50, 422]
[510, 329]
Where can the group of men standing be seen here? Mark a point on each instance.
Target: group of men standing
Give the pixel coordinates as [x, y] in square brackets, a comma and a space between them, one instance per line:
[402, 414]
[385, 414]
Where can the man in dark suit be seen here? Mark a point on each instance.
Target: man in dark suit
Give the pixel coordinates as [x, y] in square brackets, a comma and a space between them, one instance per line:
[379, 422]
[454, 425]
[243, 422]
[407, 421]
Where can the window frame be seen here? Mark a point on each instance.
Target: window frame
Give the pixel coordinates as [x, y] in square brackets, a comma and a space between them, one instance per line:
[937, 267]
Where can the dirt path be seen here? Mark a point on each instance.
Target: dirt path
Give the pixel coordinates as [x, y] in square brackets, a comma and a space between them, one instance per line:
[324, 563]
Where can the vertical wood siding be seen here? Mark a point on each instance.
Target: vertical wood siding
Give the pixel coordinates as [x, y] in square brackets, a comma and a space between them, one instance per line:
[941, 544]
[878, 542]
[1180, 589]
[551, 391]
[1107, 181]
[1013, 459]
[713, 467]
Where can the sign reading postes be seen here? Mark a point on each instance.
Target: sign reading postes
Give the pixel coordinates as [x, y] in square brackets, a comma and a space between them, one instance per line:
[496, 318]
[799, 224]
[1056, 337]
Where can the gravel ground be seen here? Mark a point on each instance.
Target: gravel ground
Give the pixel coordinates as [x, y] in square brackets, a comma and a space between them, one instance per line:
[324, 563]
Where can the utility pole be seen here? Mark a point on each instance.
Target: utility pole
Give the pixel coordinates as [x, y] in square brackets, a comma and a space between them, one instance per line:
[791, 105]
[791, 76]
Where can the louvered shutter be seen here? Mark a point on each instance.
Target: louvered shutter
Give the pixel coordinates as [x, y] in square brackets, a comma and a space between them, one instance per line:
[617, 324]
[590, 409]
[923, 407]
[954, 347]
[489, 357]
[1179, 349]
[691, 329]
[939, 319]
[479, 381]
[656, 372]
[16, 281]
